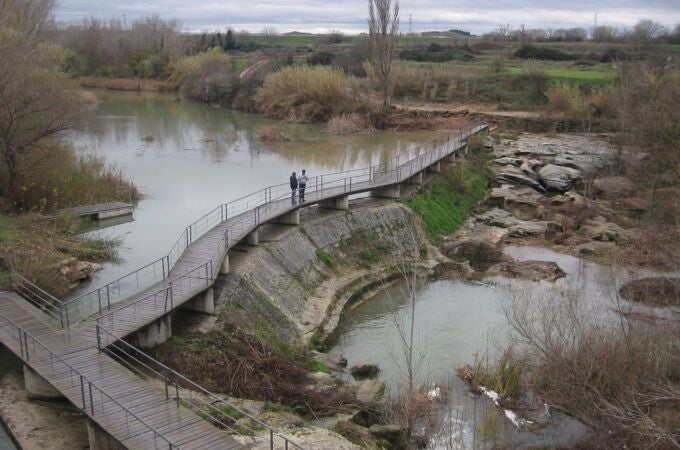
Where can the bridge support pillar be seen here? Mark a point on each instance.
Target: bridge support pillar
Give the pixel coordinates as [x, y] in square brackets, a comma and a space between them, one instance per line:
[155, 333]
[392, 192]
[253, 238]
[38, 388]
[451, 159]
[435, 168]
[416, 179]
[224, 268]
[202, 303]
[341, 203]
[99, 439]
[291, 218]
[466, 149]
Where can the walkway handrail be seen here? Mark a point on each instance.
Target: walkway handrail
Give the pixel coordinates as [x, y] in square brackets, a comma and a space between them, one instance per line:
[40, 298]
[87, 403]
[136, 360]
[100, 299]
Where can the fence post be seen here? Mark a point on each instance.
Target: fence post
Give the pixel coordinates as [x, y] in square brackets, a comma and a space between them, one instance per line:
[82, 392]
[271, 439]
[99, 338]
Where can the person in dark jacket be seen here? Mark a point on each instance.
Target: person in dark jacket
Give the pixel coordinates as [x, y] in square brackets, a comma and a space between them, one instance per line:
[293, 187]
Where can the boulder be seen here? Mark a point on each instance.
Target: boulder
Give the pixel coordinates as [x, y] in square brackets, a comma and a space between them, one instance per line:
[558, 178]
[507, 161]
[514, 176]
[655, 291]
[497, 217]
[598, 229]
[525, 228]
[364, 370]
[570, 197]
[391, 434]
[75, 270]
[365, 418]
[613, 187]
[508, 196]
[595, 248]
[480, 254]
[370, 390]
[532, 270]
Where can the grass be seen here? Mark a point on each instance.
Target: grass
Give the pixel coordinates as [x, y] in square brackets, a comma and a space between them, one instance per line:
[325, 258]
[318, 366]
[575, 76]
[368, 255]
[450, 198]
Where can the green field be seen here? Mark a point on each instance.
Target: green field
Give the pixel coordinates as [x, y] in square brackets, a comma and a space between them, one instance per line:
[584, 77]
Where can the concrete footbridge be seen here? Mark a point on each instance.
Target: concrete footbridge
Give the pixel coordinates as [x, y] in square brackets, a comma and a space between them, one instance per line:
[89, 349]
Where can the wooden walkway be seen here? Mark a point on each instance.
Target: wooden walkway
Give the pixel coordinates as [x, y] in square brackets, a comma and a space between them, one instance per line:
[125, 405]
[132, 410]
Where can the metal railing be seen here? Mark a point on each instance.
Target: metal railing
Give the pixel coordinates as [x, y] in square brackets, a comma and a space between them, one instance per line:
[41, 299]
[246, 213]
[189, 394]
[91, 399]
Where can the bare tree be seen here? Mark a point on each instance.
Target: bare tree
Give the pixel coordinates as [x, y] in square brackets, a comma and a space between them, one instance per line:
[383, 26]
[36, 99]
[645, 31]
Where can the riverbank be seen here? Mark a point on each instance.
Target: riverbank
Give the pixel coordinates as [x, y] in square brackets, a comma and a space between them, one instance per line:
[127, 84]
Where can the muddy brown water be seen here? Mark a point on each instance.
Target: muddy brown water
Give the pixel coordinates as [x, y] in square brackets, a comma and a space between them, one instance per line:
[188, 157]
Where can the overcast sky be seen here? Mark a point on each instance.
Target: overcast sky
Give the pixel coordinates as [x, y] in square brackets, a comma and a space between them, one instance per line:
[477, 16]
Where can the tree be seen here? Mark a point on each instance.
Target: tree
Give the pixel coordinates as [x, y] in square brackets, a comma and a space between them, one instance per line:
[646, 31]
[37, 101]
[229, 42]
[383, 26]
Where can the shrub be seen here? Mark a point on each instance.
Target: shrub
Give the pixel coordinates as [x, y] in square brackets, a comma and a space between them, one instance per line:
[545, 53]
[207, 77]
[437, 53]
[304, 93]
[320, 59]
[349, 124]
[272, 134]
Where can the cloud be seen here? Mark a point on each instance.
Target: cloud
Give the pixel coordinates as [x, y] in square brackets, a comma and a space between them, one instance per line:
[350, 15]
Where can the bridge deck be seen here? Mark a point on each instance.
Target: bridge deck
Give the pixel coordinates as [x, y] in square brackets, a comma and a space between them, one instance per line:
[132, 410]
[113, 386]
[149, 306]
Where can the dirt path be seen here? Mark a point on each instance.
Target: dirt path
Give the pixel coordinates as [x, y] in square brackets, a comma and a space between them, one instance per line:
[252, 68]
[446, 109]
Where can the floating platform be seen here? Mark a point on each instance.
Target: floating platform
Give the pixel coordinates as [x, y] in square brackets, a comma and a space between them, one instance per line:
[100, 211]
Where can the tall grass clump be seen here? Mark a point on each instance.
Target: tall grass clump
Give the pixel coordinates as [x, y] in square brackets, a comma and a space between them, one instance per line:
[55, 177]
[308, 94]
[37, 249]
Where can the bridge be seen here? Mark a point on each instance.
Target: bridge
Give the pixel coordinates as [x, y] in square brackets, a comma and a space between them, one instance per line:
[90, 349]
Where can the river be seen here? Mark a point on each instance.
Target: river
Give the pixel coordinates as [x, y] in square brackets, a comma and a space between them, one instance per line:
[458, 321]
[188, 157]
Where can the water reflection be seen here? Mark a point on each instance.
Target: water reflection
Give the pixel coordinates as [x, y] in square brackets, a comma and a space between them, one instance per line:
[188, 157]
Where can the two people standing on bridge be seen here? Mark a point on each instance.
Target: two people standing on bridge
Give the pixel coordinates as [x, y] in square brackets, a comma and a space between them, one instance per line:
[298, 184]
